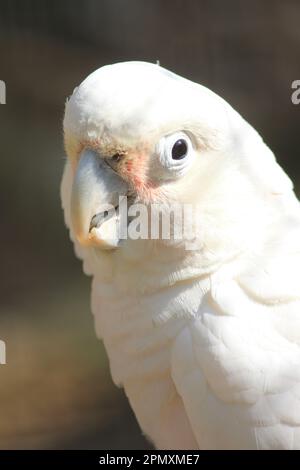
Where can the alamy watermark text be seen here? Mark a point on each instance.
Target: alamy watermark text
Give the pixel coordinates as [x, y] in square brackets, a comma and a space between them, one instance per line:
[2, 92]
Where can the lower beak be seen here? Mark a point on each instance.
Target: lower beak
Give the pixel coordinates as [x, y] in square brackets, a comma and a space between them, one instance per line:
[94, 201]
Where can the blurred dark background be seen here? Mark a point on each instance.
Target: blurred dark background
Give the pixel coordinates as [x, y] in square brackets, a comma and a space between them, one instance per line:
[56, 391]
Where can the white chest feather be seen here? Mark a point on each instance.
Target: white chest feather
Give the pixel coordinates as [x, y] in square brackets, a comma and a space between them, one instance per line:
[138, 333]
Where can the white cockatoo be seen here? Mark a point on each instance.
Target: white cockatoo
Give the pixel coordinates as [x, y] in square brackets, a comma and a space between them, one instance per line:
[205, 341]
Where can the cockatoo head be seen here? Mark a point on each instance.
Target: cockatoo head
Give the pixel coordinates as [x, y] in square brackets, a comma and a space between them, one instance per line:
[135, 129]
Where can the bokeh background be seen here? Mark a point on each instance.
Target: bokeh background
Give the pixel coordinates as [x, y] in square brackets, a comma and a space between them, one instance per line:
[55, 390]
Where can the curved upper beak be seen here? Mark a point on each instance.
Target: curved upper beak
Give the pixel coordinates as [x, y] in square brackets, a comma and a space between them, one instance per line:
[94, 201]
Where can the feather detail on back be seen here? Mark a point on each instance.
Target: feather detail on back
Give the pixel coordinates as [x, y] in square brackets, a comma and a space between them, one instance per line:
[237, 369]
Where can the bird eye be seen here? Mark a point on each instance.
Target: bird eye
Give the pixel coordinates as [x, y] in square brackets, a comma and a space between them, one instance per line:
[176, 154]
[179, 149]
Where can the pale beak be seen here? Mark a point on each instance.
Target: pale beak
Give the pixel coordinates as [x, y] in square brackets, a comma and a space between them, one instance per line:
[94, 201]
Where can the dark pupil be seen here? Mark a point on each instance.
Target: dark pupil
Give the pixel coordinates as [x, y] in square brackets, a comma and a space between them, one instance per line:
[179, 149]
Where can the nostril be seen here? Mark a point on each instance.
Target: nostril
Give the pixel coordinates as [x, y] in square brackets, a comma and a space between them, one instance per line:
[113, 161]
[116, 157]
